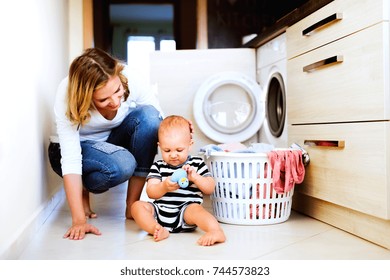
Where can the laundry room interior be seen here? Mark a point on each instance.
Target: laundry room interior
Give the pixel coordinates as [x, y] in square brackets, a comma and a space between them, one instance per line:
[251, 74]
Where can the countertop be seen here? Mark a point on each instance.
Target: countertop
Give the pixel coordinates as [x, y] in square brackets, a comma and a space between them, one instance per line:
[282, 24]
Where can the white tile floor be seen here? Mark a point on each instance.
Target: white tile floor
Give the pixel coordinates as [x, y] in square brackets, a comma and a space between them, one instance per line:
[299, 238]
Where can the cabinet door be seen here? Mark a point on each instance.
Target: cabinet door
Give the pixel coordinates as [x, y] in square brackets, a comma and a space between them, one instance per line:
[349, 164]
[355, 88]
[335, 20]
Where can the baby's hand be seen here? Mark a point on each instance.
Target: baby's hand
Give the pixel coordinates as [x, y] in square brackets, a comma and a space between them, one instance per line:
[171, 185]
[191, 172]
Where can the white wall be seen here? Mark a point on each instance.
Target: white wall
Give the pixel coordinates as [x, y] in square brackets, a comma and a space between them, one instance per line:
[75, 31]
[34, 57]
[178, 76]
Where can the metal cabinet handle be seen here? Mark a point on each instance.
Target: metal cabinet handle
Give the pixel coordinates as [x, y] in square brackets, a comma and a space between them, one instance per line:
[326, 61]
[325, 143]
[329, 19]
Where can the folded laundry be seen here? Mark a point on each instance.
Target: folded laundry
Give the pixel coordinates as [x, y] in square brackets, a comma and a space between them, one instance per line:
[233, 147]
[208, 149]
[261, 147]
[237, 148]
[287, 169]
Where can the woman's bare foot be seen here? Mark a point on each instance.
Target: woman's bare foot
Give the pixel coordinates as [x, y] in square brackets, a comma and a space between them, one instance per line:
[160, 233]
[90, 214]
[134, 190]
[87, 207]
[128, 211]
[212, 237]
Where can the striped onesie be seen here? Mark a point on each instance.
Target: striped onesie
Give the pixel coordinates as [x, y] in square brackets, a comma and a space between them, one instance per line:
[169, 209]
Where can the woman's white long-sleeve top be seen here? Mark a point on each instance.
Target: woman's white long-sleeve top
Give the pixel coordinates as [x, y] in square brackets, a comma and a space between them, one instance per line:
[98, 128]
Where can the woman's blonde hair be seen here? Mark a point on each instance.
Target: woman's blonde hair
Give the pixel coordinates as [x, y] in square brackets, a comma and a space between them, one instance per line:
[88, 73]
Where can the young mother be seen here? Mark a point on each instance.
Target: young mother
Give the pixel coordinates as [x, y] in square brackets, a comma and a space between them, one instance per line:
[107, 134]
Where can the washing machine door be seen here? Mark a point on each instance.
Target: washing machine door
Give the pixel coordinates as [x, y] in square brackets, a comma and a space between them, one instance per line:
[228, 107]
[275, 104]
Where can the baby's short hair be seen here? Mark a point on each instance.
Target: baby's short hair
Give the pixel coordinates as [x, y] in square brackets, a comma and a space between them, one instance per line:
[176, 122]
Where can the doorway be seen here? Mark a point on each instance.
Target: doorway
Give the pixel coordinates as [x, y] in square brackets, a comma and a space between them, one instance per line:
[115, 20]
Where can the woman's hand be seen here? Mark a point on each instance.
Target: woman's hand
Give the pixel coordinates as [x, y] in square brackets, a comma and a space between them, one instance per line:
[78, 231]
[191, 128]
[74, 193]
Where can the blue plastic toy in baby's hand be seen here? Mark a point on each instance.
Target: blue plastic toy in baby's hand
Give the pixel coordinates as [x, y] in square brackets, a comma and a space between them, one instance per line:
[180, 176]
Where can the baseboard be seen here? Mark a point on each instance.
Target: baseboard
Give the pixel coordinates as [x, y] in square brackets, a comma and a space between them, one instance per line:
[13, 249]
[368, 227]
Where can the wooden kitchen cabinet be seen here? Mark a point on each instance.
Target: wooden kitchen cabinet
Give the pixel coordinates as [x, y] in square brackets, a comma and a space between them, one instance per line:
[351, 89]
[334, 21]
[338, 105]
[349, 171]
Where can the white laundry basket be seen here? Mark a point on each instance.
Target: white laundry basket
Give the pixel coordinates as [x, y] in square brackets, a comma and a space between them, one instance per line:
[244, 194]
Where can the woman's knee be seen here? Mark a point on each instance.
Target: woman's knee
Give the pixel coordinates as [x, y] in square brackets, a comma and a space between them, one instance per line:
[143, 123]
[149, 112]
[123, 164]
[149, 117]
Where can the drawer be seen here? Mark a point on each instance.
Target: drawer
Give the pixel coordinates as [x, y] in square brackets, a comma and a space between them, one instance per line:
[355, 89]
[355, 174]
[356, 15]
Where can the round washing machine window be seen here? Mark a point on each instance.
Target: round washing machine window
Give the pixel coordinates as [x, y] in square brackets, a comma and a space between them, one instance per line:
[227, 107]
[276, 105]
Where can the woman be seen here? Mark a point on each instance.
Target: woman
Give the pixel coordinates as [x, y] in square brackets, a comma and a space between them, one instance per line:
[107, 131]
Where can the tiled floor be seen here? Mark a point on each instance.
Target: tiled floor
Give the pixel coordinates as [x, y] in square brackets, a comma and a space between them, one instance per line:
[299, 238]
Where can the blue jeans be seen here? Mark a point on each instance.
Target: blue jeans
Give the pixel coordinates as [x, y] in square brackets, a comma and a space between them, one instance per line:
[129, 151]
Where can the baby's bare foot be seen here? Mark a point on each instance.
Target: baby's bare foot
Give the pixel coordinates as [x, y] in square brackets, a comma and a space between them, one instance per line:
[212, 237]
[160, 233]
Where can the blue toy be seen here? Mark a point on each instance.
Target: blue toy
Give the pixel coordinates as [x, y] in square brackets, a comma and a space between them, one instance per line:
[180, 177]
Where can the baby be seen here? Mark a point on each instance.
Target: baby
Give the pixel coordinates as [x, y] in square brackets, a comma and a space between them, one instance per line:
[176, 209]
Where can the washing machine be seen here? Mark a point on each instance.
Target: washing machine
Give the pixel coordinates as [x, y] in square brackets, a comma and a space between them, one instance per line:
[271, 75]
[228, 107]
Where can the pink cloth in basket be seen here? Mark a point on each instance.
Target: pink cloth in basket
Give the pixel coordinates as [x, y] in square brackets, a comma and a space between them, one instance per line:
[287, 169]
